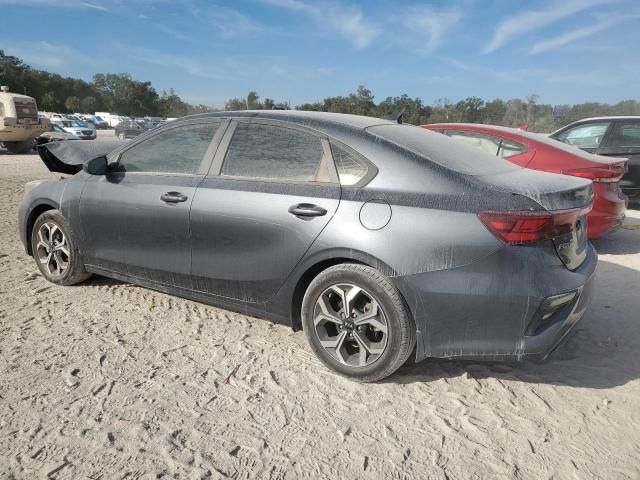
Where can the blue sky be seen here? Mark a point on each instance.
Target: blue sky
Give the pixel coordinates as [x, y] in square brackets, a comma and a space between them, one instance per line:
[567, 51]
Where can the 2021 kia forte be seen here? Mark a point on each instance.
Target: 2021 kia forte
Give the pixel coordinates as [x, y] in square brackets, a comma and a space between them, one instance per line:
[378, 239]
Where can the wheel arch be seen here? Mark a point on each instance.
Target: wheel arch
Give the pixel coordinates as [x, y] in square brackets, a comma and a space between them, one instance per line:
[34, 213]
[319, 263]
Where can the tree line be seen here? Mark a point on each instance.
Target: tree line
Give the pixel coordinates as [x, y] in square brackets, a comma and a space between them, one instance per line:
[109, 92]
[119, 93]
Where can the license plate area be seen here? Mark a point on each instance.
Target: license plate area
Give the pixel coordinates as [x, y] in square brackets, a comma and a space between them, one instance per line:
[572, 247]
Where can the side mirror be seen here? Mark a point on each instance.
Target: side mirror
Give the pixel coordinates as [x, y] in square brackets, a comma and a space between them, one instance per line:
[96, 166]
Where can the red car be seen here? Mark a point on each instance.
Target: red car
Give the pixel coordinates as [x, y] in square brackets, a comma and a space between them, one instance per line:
[539, 152]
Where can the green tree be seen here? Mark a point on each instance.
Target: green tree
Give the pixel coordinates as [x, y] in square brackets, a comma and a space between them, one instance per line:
[72, 104]
[88, 104]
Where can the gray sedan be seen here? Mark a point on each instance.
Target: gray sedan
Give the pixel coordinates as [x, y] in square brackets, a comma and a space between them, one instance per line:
[381, 241]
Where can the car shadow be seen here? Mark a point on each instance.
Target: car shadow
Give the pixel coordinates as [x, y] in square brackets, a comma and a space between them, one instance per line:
[99, 281]
[623, 241]
[601, 353]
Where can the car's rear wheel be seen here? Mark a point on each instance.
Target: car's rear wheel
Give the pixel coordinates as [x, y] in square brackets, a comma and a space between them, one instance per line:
[55, 250]
[357, 323]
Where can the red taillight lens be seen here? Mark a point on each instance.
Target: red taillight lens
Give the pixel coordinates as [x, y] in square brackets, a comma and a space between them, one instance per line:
[517, 227]
[606, 173]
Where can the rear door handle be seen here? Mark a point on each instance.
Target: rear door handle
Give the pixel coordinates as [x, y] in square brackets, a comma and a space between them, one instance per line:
[173, 197]
[307, 210]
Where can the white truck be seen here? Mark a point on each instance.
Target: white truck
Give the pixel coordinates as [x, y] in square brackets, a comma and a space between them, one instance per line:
[112, 119]
[19, 121]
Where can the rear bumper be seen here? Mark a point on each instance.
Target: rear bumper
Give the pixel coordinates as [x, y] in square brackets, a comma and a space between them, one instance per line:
[491, 309]
[608, 212]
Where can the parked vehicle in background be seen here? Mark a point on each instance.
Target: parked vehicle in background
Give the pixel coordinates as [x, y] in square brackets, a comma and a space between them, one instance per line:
[350, 227]
[55, 134]
[538, 152]
[617, 137]
[19, 121]
[77, 128]
[128, 129]
[112, 119]
[58, 117]
[99, 122]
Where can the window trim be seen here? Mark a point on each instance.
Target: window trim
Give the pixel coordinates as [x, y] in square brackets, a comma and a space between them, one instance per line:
[604, 144]
[372, 170]
[581, 123]
[205, 163]
[216, 166]
[526, 147]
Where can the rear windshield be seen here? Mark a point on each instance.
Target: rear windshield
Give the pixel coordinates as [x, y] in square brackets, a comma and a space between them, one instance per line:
[443, 150]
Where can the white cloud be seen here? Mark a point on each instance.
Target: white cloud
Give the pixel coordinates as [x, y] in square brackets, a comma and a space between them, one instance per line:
[173, 32]
[56, 4]
[590, 77]
[229, 22]
[603, 23]
[194, 67]
[94, 6]
[45, 54]
[427, 27]
[349, 22]
[531, 20]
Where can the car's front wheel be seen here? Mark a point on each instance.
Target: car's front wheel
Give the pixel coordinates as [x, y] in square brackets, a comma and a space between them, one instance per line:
[122, 136]
[55, 250]
[357, 323]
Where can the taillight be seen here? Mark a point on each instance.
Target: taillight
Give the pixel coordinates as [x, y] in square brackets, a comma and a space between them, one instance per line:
[606, 174]
[521, 227]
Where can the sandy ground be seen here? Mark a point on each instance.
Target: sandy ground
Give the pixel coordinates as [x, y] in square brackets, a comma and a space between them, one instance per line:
[108, 380]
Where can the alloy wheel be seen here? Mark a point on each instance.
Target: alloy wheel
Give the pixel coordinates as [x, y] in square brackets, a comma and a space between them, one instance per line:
[52, 249]
[350, 325]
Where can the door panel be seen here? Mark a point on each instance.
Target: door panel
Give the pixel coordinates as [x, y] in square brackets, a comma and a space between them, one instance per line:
[245, 241]
[271, 192]
[127, 228]
[135, 219]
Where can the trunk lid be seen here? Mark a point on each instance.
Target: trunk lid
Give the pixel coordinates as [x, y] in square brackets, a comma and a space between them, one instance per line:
[68, 156]
[567, 200]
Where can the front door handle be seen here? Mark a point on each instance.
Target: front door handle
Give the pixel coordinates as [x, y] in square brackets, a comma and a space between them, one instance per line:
[173, 197]
[307, 210]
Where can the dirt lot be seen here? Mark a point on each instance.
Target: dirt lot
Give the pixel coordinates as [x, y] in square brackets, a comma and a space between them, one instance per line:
[108, 380]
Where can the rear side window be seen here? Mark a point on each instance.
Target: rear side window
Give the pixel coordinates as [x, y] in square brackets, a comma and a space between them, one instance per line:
[509, 149]
[178, 150]
[265, 151]
[625, 134]
[585, 136]
[351, 168]
[483, 141]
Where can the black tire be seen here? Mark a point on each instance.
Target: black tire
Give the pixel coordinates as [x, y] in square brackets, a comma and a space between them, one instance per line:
[401, 330]
[74, 271]
[122, 136]
[19, 147]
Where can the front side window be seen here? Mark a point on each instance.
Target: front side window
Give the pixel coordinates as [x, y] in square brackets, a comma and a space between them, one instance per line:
[585, 136]
[625, 134]
[487, 143]
[277, 153]
[178, 150]
[351, 169]
[509, 148]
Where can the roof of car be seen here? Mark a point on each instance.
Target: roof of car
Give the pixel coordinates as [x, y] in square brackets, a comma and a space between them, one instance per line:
[611, 117]
[475, 126]
[318, 120]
